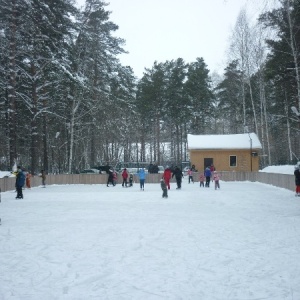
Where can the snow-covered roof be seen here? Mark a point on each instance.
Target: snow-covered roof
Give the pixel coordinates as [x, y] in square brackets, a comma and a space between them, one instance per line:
[226, 141]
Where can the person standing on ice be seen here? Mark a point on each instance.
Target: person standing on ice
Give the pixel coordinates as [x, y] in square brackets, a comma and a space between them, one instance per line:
[216, 178]
[297, 179]
[130, 180]
[190, 174]
[20, 181]
[28, 179]
[124, 177]
[207, 174]
[43, 176]
[115, 177]
[142, 176]
[212, 169]
[201, 179]
[178, 176]
[110, 178]
[167, 176]
[164, 188]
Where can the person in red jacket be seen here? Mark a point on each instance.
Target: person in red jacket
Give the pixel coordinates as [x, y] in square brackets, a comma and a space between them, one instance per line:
[125, 177]
[167, 176]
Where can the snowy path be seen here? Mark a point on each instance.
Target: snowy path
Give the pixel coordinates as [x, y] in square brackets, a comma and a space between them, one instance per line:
[92, 242]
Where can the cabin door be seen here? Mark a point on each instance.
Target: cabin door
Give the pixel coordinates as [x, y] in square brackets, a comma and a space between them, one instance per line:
[208, 162]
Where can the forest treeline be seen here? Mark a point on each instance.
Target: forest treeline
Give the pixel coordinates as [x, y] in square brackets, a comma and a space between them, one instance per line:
[67, 103]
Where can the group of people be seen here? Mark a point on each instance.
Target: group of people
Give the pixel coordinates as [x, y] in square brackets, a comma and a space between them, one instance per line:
[209, 174]
[127, 178]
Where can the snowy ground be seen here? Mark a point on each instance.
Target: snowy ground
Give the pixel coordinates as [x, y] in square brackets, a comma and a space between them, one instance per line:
[284, 169]
[79, 242]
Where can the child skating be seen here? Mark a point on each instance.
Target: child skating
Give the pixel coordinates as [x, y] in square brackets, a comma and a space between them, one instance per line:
[216, 178]
[190, 174]
[201, 179]
[130, 180]
[164, 188]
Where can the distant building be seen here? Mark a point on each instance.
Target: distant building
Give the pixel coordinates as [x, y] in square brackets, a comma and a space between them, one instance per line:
[229, 152]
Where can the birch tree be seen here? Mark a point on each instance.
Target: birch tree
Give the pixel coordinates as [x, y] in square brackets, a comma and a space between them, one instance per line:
[241, 49]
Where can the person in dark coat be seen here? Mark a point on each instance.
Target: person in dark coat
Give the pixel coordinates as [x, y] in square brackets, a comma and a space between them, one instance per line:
[130, 180]
[155, 169]
[164, 188]
[43, 176]
[20, 181]
[110, 178]
[297, 179]
[178, 176]
[150, 168]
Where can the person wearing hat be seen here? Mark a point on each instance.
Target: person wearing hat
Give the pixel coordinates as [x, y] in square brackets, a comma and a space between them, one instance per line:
[297, 179]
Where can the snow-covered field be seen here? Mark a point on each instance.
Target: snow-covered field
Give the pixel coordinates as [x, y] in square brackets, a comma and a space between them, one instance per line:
[285, 169]
[79, 242]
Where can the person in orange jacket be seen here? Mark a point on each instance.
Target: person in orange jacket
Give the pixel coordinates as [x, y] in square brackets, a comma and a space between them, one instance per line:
[28, 179]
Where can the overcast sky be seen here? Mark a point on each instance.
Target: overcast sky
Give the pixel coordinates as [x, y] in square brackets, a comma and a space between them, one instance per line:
[160, 30]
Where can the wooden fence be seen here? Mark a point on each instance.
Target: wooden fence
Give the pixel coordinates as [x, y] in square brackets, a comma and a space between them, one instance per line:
[278, 180]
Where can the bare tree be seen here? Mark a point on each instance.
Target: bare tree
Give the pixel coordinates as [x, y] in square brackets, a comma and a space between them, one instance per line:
[239, 51]
[293, 28]
[259, 53]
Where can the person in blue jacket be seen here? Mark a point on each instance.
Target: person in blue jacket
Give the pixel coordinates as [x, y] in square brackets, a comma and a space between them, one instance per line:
[142, 175]
[20, 181]
[207, 174]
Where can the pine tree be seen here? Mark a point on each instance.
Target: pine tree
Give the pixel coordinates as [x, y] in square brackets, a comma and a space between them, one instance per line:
[200, 96]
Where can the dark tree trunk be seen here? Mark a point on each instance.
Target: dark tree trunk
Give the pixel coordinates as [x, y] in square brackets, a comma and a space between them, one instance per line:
[12, 128]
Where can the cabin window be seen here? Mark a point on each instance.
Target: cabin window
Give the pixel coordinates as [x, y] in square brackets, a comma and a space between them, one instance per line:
[232, 160]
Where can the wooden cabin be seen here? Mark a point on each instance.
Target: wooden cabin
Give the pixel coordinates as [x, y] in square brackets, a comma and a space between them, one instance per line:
[229, 152]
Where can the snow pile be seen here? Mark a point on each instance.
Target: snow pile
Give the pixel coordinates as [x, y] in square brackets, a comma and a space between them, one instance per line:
[6, 174]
